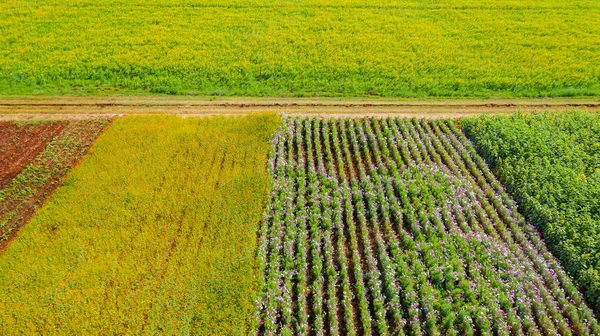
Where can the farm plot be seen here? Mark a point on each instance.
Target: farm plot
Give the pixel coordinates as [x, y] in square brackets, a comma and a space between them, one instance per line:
[390, 48]
[154, 232]
[550, 163]
[33, 159]
[398, 227]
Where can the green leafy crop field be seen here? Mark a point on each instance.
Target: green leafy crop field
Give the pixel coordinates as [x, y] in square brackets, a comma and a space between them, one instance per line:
[551, 164]
[153, 233]
[386, 48]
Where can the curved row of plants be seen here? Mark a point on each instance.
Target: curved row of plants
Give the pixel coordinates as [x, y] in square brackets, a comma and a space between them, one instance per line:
[398, 227]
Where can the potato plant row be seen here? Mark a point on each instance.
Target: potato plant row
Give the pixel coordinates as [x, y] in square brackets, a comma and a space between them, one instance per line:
[397, 226]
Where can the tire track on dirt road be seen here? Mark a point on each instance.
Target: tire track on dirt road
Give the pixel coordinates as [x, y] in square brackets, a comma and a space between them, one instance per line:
[86, 107]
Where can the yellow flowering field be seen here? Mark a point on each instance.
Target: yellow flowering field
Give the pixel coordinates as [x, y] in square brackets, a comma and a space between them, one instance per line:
[392, 48]
[154, 232]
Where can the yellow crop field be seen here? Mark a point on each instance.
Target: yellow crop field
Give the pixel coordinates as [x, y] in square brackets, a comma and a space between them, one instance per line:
[154, 232]
[391, 48]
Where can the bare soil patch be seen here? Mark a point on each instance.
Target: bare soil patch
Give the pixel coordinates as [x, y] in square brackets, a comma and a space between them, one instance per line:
[20, 144]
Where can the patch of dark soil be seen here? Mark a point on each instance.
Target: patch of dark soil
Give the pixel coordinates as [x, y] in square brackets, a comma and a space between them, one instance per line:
[85, 132]
[20, 144]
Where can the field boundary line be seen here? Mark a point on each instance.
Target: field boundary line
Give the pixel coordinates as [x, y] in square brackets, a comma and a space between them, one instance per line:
[85, 107]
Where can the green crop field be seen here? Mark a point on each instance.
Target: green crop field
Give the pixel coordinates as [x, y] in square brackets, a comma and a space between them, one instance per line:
[551, 164]
[153, 233]
[385, 48]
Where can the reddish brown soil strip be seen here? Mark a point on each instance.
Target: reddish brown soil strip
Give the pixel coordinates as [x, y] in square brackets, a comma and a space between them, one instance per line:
[51, 150]
[20, 144]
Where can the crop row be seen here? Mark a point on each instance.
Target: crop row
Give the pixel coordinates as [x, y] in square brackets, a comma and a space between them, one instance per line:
[397, 226]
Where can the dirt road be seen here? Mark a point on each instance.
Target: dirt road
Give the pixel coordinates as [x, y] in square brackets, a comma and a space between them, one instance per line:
[12, 108]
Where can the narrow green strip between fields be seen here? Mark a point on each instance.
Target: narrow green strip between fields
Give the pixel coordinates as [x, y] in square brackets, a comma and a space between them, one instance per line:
[154, 232]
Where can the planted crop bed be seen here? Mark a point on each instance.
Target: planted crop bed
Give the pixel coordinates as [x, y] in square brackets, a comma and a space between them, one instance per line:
[550, 163]
[33, 159]
[391, 48]
[398, 227]
[154, 232]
